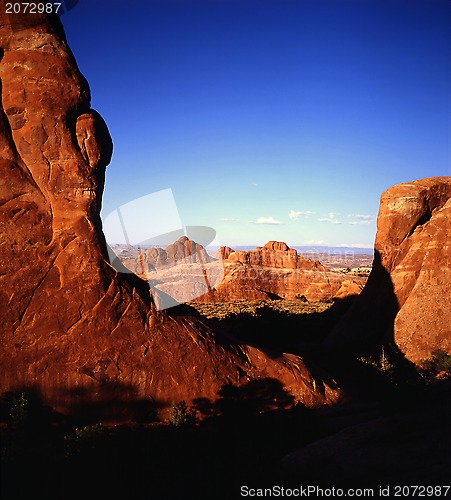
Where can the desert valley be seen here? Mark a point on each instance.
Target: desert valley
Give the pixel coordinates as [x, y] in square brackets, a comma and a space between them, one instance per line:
[176, 372]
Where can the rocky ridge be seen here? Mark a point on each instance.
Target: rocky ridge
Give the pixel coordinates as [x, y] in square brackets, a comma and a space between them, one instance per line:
[276, 270]
[182, 251]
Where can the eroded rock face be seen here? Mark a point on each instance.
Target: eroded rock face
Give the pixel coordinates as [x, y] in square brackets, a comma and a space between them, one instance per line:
[224, 252]
[276, 270]
[71, 326]
[278, 255]
[183, 251]
[406, 297]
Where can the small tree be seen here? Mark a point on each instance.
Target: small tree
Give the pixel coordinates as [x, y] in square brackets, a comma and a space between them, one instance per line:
[182, 416]
[86, 439]
[20, 412]
[439, 362]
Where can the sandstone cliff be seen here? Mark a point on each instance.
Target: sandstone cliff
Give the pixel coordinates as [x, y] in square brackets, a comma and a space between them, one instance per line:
[276, 270]
[71, 326]
[405, 299]
[182, 251]
[278, 255]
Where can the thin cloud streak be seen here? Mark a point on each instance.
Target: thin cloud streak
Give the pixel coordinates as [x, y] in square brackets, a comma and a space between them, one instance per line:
[266, 220]
[296, 214]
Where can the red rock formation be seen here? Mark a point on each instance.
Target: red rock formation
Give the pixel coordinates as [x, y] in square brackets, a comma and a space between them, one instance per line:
[278, 255]
[157, 257]
[278, 270]
[183, 251]
[405, 299]
[224, 252]
[71, 325]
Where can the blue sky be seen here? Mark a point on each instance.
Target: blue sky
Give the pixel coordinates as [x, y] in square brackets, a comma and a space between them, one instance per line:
[282, 119]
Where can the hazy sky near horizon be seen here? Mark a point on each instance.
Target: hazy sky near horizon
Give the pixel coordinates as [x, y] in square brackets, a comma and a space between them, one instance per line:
[268, 119]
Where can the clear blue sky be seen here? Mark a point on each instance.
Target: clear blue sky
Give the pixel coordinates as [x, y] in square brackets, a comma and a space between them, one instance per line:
[282, 119]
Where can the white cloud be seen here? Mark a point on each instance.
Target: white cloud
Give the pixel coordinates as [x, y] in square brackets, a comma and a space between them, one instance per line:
[329, 219]
[265, 220]
[296, 214]
[362, 219]
[360, 222]
[229, 219]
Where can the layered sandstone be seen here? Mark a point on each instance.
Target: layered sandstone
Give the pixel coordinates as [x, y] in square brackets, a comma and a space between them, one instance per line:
[405, 299]
[278, 255]
[185, 272]
[224, 252]
[73, 327]
[182, 251]
[276, 270]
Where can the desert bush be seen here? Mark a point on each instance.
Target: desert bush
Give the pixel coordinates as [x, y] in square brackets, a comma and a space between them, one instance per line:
[438, 363]
[182, 416]
[19, 414]
[20, 437]
[382, 363]
[84, 439]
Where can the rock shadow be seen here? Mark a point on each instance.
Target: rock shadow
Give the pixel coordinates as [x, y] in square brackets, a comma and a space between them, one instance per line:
[111, 402]
[366, 332]
[246, 401]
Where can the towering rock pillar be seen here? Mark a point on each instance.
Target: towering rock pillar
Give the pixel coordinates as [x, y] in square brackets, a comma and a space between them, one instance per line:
[406, 297]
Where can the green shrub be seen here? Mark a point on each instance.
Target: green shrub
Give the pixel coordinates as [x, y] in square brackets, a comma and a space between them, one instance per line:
[19, 413]
[439, 362]
[181, 415]
[84, 439]
[382, 364]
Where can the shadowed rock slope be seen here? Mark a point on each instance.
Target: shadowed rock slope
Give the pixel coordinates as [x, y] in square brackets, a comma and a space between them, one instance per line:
[71, 325]
[406, 298]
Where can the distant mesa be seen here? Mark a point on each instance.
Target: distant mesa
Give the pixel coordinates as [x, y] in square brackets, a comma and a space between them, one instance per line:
[182, 251]
[275, 254]
[276, 270]
[272, 271]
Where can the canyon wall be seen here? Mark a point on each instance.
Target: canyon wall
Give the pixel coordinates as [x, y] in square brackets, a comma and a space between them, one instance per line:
[406, 298]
